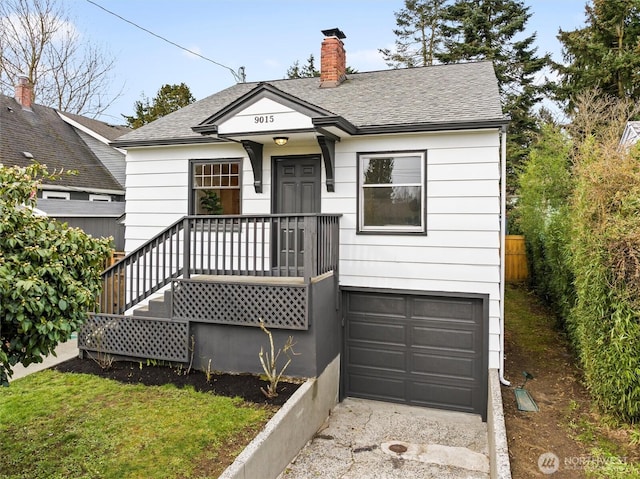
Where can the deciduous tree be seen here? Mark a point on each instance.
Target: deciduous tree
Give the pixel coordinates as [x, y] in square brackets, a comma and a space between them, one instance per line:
[38, 40]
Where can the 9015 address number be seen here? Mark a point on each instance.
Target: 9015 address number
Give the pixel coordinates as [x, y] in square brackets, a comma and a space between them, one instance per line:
[264, 119]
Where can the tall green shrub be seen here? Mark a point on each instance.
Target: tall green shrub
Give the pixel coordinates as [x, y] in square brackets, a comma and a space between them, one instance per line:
[605, 322]
[579, 209]
[542, 212]
[49, 273]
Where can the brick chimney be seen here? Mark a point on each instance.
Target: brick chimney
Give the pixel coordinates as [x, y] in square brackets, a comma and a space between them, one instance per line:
[24, 92]
[333, 59]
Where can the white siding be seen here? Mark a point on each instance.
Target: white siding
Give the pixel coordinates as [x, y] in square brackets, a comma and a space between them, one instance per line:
[460, 251]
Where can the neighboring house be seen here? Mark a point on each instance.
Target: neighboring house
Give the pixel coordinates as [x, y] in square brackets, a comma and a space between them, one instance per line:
[364, 215]
[631, 134]
[93, 199]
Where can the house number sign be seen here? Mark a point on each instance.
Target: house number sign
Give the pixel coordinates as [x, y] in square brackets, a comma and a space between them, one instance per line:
[262, 119]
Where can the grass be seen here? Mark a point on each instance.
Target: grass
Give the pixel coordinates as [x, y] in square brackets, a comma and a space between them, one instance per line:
[55, 425]
[529, 322]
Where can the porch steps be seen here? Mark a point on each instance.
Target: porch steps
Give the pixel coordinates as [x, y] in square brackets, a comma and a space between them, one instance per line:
[156, 308]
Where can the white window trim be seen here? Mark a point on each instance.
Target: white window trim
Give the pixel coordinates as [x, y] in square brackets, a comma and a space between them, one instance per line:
[394, 229]
[104, 198]
[56, 195]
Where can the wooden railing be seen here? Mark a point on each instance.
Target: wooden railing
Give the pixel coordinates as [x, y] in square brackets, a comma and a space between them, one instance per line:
[271, 245]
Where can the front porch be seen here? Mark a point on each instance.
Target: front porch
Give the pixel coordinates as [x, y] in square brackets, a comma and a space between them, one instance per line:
[198, 290]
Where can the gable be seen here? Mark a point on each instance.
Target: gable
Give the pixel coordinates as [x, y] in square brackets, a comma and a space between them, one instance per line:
[265, 115]
[264, 110]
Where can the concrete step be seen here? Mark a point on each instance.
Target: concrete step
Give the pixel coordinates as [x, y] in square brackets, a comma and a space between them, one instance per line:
[156, 308]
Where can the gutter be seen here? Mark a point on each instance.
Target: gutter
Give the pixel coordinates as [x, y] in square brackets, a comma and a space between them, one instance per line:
[503, 231]
[82, 189]
[318, 122]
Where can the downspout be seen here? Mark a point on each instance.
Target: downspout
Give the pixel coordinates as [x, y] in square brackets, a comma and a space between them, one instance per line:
[503, 233]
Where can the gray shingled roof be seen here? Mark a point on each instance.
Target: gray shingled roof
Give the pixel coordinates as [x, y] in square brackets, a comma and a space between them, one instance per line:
[106, 130]
[51, 141]
[441, 94]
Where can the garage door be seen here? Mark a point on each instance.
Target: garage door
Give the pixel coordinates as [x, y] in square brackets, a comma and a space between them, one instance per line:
[416, 349]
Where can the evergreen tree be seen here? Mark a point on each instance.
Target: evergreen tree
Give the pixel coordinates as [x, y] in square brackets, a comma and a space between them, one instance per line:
[492, 30]
[168, 99]
[603, 54]
[379, 171]
[419, 34]
[309, 70]
[305, 71]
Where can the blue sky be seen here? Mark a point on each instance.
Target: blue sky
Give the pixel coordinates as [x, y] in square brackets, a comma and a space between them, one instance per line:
[265, 37]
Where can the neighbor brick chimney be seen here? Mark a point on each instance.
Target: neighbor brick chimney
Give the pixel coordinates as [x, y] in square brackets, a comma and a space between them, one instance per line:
[333, 59]
[24, 92]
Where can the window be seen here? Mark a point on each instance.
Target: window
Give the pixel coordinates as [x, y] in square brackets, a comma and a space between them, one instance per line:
[215, 187]
[56, 195]
[106, 198]
[391, 189]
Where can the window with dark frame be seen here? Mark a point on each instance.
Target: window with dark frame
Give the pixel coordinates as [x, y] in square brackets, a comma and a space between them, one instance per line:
[215, 187]
[391, 192]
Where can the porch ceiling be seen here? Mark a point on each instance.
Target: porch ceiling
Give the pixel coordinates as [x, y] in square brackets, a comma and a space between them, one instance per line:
[254, 149]
[266, 138]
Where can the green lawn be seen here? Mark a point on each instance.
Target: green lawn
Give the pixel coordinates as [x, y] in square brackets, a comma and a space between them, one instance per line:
[77, 426]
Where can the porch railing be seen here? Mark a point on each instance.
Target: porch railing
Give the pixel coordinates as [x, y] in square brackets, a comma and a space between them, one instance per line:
[303, 245]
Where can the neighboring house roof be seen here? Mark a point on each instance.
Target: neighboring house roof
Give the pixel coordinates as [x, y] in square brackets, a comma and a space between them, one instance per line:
[112, 158]
[82, 208]
[425, 98]
[106, 130]
[631, 134]
[40, 132]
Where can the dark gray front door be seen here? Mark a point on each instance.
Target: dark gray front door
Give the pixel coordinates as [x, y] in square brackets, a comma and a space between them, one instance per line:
[296, 190]
[417, 349]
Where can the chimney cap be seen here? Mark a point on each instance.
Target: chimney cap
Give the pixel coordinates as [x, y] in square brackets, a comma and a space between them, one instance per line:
[334, 32]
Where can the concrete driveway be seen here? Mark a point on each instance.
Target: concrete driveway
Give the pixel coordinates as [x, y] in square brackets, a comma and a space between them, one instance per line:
[377, 440]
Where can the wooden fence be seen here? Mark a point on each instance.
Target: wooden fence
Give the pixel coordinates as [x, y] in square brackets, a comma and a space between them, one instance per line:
[515, 258]
[115, 257]
[114, 286]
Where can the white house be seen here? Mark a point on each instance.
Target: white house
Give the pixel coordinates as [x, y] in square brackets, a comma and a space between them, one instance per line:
[366, 210]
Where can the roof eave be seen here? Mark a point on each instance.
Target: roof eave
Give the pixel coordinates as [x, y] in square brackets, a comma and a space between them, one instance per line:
[338, 122]
[165, 142]
[433, 126]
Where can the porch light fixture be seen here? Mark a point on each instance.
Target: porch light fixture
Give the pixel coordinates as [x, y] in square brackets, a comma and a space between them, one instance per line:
[280, 140]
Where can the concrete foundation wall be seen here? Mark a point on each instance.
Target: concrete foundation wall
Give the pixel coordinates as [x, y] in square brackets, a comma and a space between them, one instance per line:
[235, 349]
[496, 430]
[290, 429]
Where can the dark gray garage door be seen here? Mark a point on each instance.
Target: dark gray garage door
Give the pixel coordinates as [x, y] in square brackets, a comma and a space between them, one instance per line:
[416, 349]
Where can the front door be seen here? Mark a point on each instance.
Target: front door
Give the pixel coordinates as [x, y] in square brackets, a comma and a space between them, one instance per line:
[296, 190]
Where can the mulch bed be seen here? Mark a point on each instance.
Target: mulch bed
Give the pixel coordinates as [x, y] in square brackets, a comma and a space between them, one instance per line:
[245, 386]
